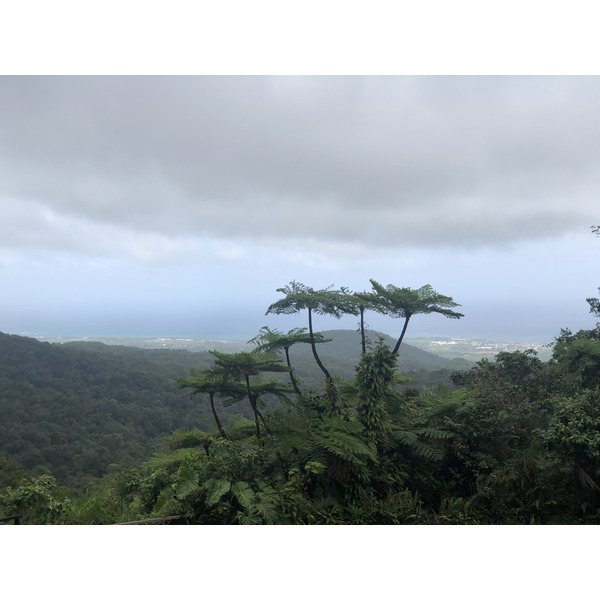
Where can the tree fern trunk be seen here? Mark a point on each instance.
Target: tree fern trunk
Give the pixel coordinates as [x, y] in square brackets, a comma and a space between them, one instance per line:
[217, 421]
[397, 346]
[289, 364]
[263, 420]
[314, 349]
[362, 329]
[253, 405]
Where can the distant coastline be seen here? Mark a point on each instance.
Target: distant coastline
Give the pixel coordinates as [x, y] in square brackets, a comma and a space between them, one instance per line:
[471, 349]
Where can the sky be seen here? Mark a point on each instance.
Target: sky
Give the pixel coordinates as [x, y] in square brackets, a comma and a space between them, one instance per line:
[177, 205]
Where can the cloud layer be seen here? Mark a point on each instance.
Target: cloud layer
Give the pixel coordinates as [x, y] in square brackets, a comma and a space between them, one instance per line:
[103, 165]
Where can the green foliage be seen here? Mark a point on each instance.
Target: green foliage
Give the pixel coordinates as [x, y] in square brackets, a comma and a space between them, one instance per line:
[271, 341]
[246, 365]
[374, 387]
[11, 472]
[193, 438]
[79, 411]
[215, 381]
[577, 360]
[216, 489]
[36, 501]
[114, 500]
[323, 302]
[574, 428]
[406, 302]
[594, 305]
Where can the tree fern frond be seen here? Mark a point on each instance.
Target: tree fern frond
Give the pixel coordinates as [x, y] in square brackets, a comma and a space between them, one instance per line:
[437, 434]
[231, 401]
[412, 440]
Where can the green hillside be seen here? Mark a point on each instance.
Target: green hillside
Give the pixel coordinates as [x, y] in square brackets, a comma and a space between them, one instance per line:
[345, 345]
[81, 409]
[342, 354]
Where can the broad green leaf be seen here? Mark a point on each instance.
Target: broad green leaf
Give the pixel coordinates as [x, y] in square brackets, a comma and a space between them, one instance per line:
[250, 517]
[216, 489]
[164, 498]
[266, 507]
[187, 482]
[243, 492]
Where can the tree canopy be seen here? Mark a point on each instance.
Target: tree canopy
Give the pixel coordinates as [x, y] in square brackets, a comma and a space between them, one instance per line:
[405, 302]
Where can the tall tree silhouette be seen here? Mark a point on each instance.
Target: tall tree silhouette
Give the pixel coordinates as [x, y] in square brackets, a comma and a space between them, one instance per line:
[595, 302]
[364, 301]
[326, 301]
[271, 341]
[213, 382]
[406, 302]
[246, 365]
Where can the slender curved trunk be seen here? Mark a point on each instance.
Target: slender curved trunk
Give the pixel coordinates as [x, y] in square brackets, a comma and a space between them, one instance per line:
[253, 405]
[362, 329]
[330, 389]
[214, 412]
[263, 420]
[289, 364]
[314, 348]
[397, 346]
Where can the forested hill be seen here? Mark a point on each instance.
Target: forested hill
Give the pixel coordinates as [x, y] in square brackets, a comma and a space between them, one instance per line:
[342, 354]
[81, 409]
[75, 410]
[345, 345]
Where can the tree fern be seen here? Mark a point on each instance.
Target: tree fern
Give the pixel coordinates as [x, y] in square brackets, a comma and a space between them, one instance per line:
[272, 341]
[406, 302]
[415, 443]
[246, 365]
[326, 301]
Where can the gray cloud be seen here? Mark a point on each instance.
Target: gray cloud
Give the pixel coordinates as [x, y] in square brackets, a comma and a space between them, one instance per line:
[379, 161]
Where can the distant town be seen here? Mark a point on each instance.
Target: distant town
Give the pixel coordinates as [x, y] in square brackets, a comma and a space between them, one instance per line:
[476, 349]
[469, 349]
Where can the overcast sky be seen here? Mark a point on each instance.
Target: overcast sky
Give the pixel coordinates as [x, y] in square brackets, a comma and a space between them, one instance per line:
[176, 206]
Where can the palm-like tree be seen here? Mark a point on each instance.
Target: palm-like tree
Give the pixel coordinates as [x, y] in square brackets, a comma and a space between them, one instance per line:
[271, 341]
[246, 365]
[595, 302]
[213, 382]
[406, 302]
[323, 302]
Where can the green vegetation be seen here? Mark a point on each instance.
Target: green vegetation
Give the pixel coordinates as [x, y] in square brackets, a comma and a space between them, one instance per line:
[79, 411]
[511, 441]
